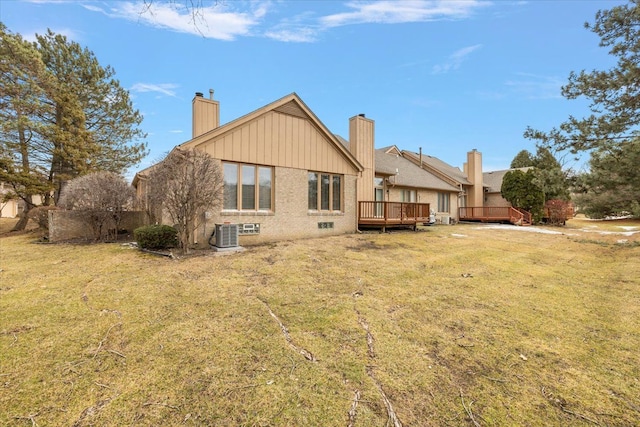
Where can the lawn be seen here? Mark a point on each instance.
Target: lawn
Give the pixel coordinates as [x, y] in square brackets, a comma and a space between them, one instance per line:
[450, 326]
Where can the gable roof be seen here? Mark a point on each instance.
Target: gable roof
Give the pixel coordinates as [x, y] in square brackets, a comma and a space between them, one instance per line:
[493, 180]
[440, 168]
[388, 161]
[290, 104]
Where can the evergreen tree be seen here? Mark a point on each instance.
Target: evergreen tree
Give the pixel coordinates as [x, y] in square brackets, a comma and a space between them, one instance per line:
[95, 122]
[522, 191]
[24, 85]
[549, 176]
[612, 128]
[63, 115]
[523, 159]
[613, 183]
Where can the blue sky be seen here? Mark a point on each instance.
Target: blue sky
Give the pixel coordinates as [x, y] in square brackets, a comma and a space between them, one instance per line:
[447, 76]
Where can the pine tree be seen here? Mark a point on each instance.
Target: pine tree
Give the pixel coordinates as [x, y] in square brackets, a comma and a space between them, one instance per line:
[63, 115]
[521, 190]
[95, 122]
[549, 176]
[24, 83]
[612, 128]
[523, 159]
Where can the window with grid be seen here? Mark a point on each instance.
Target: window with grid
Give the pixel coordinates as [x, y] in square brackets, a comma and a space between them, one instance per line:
[324, 192]
[247, 187]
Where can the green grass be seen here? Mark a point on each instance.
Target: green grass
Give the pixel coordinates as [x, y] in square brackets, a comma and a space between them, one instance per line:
[530, 329]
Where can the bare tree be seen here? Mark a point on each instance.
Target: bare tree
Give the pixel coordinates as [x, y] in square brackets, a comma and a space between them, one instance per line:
[185, 185]
[102, 197]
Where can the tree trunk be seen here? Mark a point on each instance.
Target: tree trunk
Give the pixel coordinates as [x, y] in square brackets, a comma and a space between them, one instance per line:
[24, 216]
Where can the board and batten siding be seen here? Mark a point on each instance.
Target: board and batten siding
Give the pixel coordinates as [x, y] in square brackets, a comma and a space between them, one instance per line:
[278, 139]
[361, 138]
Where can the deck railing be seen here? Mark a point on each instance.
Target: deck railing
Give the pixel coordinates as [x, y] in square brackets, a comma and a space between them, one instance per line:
[392, 213]
[494, 213]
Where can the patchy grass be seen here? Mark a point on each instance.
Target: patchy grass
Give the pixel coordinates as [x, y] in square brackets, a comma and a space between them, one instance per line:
[604, 225]
[448, 326]
[7, 224]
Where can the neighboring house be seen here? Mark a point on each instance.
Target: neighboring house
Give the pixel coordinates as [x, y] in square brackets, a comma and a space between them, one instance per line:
[8, 208]
[12, 208]
[400, 180]
[493, 187]
[468, 182]
[479, 197]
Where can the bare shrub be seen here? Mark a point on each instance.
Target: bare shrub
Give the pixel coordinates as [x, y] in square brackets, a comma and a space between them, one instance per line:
[102, 197]
[184, 186]
[558, 211]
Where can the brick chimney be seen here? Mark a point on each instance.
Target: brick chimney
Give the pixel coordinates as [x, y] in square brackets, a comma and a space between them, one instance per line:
[361, 145]
[206, 114]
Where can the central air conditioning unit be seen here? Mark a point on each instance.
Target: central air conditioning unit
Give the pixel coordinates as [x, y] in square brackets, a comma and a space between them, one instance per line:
[227, 235]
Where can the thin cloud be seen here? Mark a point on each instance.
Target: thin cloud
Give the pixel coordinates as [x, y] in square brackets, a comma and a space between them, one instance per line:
[534, 86]
[296, 35]
[455, 60]
[231, 20]
[163, 88]
[93, 8]
[218, 21]
[48, 1]
[402, 11]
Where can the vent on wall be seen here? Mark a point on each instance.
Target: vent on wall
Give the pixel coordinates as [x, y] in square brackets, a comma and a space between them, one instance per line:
[227, 235]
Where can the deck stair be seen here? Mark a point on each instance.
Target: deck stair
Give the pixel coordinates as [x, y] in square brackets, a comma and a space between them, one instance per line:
[495, 214]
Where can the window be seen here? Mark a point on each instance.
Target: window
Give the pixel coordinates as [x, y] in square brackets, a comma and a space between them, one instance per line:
[247, 187]
[408, 195]
[325, 192]
[443, 202]
[230, 186]
[336, 191]
[313, 191]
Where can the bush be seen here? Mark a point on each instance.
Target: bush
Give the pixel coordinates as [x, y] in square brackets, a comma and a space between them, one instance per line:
[40, 215]
[156, 237]
[558, 211]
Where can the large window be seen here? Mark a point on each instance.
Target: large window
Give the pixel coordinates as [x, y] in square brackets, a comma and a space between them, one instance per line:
[443, 202]
[247, 187]
[325, 192]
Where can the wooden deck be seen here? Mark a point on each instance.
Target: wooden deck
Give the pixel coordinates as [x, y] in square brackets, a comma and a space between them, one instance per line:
[495, 214]
[390, 214]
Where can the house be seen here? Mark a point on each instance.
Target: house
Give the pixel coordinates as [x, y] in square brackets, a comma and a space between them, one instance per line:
[13, 207]
[9, 208]
[493, 187]
[398, 179]
[468, 182]
[286, 176]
